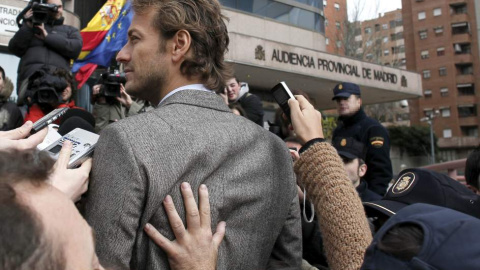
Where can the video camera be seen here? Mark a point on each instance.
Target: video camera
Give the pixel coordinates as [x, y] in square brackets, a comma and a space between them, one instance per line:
[42, 12]
[45, 88]
[111, 84]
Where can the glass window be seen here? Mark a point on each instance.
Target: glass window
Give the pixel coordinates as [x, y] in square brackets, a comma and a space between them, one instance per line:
[445, 112]
[444, 92]
[460, 8]
[467, 89]
[368, 30]
[386, 52]
[385, 39]
[447, 133]
[337, 6]
[442, 71]
[460, 28]
[469, 131]
[441, 51]
[327, 41]
[339, 43]
[427, 93]
[337, 24]
[464, 69]
[438, 30]
[467, 110]
[426, 74]
[422, 15]
[437, 12]
[369, 43]
[324, 3]
[283, 12]
[424, 54]
[464, 48]
[423, 34]
[385, 26]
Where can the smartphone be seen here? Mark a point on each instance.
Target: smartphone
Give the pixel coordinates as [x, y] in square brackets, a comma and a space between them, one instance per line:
[281, 93]
[47, 119]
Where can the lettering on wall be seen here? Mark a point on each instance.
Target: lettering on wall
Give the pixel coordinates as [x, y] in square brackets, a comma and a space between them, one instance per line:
[8, 16]
[353, 70]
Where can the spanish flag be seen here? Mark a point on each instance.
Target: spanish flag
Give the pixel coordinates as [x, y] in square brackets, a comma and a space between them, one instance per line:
[104, 35]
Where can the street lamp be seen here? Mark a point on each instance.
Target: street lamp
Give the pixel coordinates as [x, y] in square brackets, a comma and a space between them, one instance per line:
[429, 120]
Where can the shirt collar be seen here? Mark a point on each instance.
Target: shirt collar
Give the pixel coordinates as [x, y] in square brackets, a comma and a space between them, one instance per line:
[200, 87]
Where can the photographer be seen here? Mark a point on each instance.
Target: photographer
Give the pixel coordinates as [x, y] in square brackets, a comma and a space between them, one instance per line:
[109, 106]
[43, 40]
[48, 91]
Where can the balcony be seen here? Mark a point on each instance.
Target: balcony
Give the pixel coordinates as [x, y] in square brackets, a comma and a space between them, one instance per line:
[463, 58]
[464, 79]
[458, 2]
[458, 142]
[460, 17]
[462, 38]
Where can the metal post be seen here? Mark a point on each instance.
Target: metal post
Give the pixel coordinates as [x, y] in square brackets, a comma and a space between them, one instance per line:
[432, 147]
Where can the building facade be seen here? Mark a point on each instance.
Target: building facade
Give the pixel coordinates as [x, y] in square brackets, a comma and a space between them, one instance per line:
[336, 17]
[279, 40]
[441, 41]
[381, 40]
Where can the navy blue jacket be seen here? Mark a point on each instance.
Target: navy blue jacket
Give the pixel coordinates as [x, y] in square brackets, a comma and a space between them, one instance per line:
[377, 143]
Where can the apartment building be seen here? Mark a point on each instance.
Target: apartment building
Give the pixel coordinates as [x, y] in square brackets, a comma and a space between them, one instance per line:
[441, 43]
[381, 40]
[336, 16]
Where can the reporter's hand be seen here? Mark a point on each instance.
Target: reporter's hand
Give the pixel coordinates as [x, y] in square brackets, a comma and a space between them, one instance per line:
[27, 18]
[224, 96]
[28, 15]
[124, 98]
[15, 139]
[195, 247]
[43, 33]
[306, 120]
[72, 182]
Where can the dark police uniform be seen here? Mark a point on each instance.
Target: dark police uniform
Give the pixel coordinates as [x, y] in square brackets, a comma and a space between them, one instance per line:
[373, 135]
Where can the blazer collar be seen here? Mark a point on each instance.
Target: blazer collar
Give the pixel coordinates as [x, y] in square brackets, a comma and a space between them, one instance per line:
[197, 98]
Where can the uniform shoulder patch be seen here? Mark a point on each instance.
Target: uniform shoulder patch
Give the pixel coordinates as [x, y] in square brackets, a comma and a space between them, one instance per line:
[343, 142]
[377, 142]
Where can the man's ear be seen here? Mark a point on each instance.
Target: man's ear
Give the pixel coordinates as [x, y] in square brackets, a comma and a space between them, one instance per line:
[181, 45]
[362, 170]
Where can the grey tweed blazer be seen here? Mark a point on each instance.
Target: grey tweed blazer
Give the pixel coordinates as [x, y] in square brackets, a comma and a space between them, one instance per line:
[193, 137]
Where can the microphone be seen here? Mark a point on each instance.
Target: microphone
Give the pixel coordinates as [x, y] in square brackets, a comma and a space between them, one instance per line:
[74, 122]
[85, 115]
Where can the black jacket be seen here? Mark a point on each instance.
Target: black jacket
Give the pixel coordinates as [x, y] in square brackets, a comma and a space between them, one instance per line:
[253, 107]
[366, 195]
[377, 143]
[62, 44]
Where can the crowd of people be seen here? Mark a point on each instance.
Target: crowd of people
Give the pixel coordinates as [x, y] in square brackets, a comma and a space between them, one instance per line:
[187, 177]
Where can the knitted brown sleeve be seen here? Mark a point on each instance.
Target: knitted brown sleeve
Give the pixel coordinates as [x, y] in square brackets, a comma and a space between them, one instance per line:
[344, 227]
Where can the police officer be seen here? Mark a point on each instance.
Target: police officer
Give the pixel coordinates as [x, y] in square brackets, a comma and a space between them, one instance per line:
[353, 122]
[352, 153]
